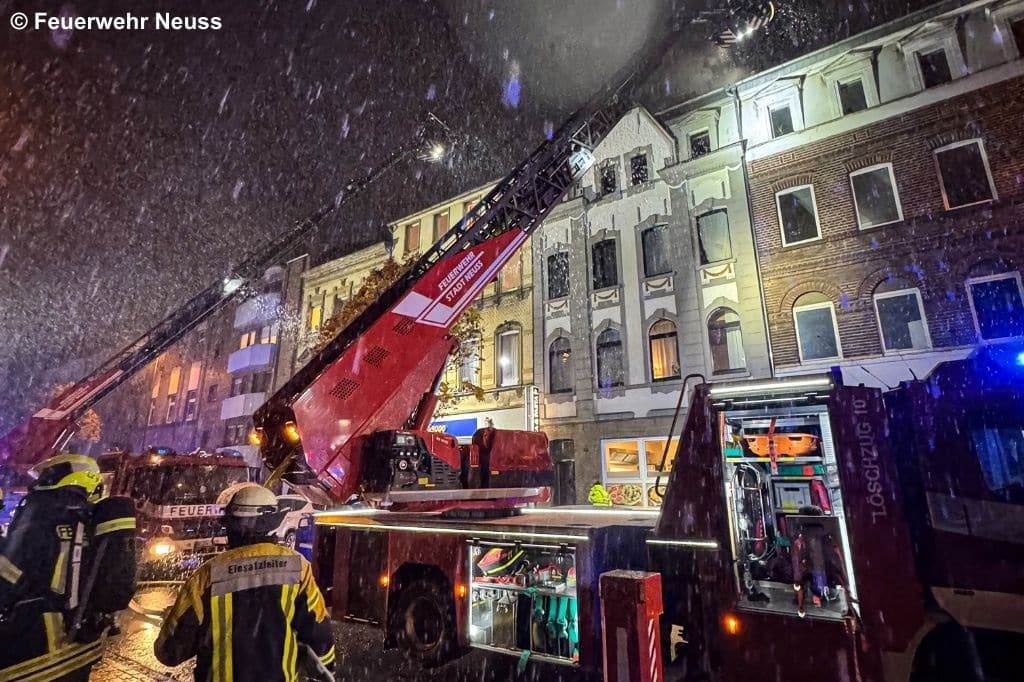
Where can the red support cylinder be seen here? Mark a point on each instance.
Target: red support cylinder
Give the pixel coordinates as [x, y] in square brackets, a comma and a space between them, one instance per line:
[630, 630]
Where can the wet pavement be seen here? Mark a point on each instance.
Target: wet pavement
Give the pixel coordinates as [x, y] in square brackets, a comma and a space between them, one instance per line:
[129, 655]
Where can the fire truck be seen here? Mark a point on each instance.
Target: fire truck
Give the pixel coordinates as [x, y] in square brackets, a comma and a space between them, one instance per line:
[176, 500]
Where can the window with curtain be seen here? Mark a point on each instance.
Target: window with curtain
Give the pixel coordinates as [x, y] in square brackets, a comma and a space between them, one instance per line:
[726, 340]
[558, 275]
[560, 365]
[605, 264]
[440, 225]
[713, 236]
[508, 358]
[654, 241]
[610, 365]
[664, 351]
[470, 369]
[511, 276]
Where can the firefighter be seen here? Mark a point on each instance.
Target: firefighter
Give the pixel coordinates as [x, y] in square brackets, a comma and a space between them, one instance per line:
[598, 495]
[41, 574]
[246, 613]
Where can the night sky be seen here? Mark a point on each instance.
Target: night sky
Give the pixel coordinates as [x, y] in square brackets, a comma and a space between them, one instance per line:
[136, 166]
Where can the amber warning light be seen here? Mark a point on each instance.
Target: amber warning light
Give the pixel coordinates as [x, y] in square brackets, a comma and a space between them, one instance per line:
[731, 624]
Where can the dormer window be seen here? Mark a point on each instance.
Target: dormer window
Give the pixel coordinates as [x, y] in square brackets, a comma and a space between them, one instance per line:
[934, 68]
[700, 144]
[609, 181]
[781, 119]
[852, 97]
[638, 172]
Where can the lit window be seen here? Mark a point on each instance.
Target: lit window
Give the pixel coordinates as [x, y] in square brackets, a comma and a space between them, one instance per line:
[175, 382]
[605, 264]
[609, 180]
[851, 96]
[315, 317]
[964, 174]
[713, 236]
[247, 339]
[440, 225]
[511, 276]
[798, 215]
[816, 333]
[622, 458]
[934, 68]
[726, 340]
[630, 469]
[469, 371]
[508, 358]
[700, 144]
[268, 334]
[901, 320]
[781, 119]
[558, 275]
[638, 171]
[875, 196]
[560, 365]
[654, 241]
[997, 302]
[664, 351]
[610, 368]
[466, 208]
[412, 237]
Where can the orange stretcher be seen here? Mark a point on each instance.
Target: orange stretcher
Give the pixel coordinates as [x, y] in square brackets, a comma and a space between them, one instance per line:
[785, 444]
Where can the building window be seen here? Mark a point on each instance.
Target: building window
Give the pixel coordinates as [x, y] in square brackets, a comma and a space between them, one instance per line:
[664, 351]
[606, 267]
[172, 409]
[713, 237]
[700, 144]
[260, 382]
[315, 317]
[236, 386]
[608, 179]
[875, 196]
[191, 405]
[852, 97]
[630, 469]
[511, 276]
[560, 366]
[466, 208]
[964, 174]
[934, 68]
[440, 225]
[654, 241]
[610, 368]
[508, 358]
[558, 275]
[781, 119]
[412, 237]
[1017, 29]
[246, 339]
[726, 340]
[211, 393]
[901, 320]
[997, 302]
[817, 335]
[638, 172]
[268, 334]
[469, 371]
[151, 418]
[235, 434]
[998, 439]
[798, 215]
[172, 395]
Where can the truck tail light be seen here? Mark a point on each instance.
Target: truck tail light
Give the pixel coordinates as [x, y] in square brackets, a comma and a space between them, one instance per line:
[461, 590]
[384, 580]
[291, 432]
[731, 624]
[256, 437]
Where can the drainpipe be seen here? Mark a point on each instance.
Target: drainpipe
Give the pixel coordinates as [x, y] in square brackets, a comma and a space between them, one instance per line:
[750, 213]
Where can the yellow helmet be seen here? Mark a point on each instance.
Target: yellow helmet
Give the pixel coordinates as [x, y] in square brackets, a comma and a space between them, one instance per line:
[69, 470]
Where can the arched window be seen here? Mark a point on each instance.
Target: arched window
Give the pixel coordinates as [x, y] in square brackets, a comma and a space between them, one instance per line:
[817, 334]
[664, 351]
[726, 341]
[610, 369]
[509, 350]
[560, 366]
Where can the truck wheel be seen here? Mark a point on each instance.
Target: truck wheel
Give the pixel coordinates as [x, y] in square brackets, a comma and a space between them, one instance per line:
[423, 622]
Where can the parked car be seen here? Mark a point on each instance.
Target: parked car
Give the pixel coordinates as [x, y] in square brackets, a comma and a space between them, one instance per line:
[297, 507]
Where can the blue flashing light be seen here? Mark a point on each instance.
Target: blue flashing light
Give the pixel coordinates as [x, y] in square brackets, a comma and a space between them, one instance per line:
[1020, 359]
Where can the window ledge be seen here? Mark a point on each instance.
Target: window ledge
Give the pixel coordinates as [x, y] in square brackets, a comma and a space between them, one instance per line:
[861, 228]
[560, 397]
[731, 373]
[984, 202]
[805, 242]
[641, 188]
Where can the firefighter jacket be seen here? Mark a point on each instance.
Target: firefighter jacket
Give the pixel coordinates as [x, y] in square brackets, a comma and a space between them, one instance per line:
[41, 574]
[244, 614]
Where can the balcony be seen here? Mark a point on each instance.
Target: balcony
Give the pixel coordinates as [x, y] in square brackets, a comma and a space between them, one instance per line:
[262, 308]
[258, 356]
[241, 405]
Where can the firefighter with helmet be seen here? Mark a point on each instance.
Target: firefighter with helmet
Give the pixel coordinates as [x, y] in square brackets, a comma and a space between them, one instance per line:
[53, 610]
[247, 612]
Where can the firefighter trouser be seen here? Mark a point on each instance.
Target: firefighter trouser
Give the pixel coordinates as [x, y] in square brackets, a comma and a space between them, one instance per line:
[34, 648]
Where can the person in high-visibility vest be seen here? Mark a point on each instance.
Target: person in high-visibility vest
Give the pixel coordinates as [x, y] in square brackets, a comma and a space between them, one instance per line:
[43, 570]
[598, 495]
[249, 612]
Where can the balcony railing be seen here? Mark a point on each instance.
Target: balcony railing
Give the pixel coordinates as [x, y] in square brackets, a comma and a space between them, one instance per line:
[258, 356]
[262, 308]
[241, 405]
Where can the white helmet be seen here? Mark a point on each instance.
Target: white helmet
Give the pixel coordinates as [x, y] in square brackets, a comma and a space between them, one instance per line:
[251, 501]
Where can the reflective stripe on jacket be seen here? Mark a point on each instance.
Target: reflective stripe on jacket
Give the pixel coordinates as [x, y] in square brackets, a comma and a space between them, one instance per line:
[244, 614]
